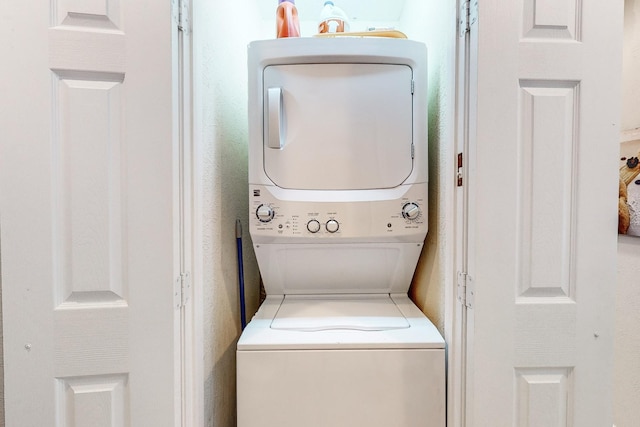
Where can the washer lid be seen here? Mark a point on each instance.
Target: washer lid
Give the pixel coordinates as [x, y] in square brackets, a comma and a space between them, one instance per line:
[361, 313]
[260, 334]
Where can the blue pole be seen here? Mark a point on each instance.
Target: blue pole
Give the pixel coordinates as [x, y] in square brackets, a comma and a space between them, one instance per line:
[243, 316]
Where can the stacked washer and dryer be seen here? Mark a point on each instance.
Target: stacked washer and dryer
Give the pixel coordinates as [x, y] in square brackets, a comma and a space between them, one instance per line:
[338, 217]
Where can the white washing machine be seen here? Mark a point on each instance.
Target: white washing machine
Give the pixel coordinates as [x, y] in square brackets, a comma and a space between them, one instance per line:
[338, 217]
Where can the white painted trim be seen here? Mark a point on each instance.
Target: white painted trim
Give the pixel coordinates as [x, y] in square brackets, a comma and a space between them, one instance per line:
[191, 357]
[194, 316]
[454, 311]
[459, 341]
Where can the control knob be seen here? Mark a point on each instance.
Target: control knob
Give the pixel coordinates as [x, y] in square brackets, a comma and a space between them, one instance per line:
[332, 226]
[313, 226]
[265, 213]
[411, 211]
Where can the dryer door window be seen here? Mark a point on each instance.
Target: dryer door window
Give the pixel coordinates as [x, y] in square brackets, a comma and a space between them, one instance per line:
[338, 126]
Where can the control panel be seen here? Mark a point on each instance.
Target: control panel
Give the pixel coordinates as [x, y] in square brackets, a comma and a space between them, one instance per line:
[399, 219]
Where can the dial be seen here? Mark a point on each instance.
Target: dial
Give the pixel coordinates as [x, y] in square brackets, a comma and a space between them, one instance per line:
[332, 226]
[411, 211]
[313, 226]
[265, 213]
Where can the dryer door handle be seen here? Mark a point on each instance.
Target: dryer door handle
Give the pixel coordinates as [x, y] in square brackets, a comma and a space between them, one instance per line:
[274, 117]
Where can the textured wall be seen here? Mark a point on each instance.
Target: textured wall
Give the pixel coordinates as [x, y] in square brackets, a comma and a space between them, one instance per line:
[433, 22]
[221, 34]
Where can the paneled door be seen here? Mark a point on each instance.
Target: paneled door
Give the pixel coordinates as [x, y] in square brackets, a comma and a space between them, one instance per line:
[88, 181]
[543, 158]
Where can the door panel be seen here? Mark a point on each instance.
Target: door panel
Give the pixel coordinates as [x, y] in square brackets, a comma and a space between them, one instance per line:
[542, 215]
[547, 152]
[87, 184]
[364, 139]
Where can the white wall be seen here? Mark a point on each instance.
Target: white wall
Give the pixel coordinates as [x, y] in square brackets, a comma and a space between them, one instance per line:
[221, 33]
[627, 341]
[434, 23]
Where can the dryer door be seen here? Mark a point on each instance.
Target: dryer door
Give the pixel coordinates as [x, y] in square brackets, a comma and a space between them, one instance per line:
[338, 126]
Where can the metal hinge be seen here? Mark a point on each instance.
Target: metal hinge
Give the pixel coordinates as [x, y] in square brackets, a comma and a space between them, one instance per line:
[413, 151]
[466, 290]
[468, 16]
[460, 173]
[182, 290]
[413, 86]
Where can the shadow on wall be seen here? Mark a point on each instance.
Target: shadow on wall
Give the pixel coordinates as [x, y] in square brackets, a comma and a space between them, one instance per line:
[427, 286]
[227, 201]
[224, 371]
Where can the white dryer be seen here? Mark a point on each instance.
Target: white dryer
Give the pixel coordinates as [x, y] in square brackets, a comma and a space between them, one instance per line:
[338, 217]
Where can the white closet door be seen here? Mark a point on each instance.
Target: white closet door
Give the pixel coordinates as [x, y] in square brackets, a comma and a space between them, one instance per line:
[87, 188]
[542, 213]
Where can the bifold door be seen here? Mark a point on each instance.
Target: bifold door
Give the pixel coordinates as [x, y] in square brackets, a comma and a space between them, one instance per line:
[87, 191]
[542, 214]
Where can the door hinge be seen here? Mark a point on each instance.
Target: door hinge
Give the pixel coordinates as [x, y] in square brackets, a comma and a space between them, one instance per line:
[182, 290]
[468, 16]
[413, 151]
[413, 86]
[460, 173]
[466, 290]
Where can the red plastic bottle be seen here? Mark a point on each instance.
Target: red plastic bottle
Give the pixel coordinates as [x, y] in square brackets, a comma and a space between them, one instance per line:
[287, 24]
